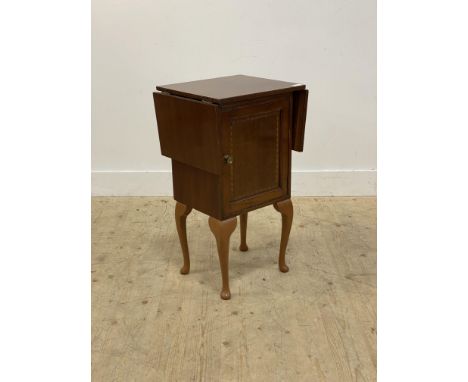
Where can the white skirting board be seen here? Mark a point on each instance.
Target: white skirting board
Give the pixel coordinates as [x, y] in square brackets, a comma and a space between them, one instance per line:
[304, 183]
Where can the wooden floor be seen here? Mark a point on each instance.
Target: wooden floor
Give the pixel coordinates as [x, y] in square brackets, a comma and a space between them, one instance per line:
[315, 323]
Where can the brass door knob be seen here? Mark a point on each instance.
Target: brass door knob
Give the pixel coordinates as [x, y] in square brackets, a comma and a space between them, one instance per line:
[228, 159]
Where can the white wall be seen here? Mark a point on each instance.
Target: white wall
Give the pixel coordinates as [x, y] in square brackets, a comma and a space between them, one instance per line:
[330, 45]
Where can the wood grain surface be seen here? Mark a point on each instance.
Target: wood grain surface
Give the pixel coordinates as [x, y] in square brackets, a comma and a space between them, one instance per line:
[315, 323]
[224, 90]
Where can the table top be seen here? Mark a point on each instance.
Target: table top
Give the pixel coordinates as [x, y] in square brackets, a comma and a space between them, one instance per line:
[223, 90]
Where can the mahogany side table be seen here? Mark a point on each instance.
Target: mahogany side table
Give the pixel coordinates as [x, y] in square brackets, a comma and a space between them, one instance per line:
[230, 141]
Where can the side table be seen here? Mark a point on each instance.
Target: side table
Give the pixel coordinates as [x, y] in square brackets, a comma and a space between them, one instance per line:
[230, 141]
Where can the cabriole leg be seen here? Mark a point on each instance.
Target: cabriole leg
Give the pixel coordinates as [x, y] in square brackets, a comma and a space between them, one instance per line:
[284, 207]
[181, 213]
[222, 231]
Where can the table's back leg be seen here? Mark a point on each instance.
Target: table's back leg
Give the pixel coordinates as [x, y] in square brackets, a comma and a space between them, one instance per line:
[181, 213]
[243, 231]
[284, 207]
[222, 231]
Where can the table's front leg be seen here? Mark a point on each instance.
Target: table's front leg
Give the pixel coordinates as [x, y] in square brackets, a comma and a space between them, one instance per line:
[286, 209]
[181, 213]
[222, 231]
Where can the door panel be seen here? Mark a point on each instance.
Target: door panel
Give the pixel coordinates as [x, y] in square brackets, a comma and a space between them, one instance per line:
[255, 147]
[256, 141]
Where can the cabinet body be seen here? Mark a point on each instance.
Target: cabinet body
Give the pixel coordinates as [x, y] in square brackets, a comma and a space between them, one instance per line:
[231, 157]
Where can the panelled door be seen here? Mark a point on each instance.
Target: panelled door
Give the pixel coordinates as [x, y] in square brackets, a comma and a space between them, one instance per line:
[255, 141]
